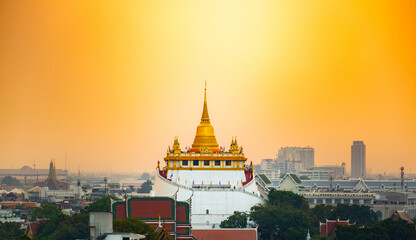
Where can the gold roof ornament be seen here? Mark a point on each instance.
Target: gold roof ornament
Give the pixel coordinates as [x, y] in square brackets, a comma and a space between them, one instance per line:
[205, 137]
[234, 146]
[176, 146]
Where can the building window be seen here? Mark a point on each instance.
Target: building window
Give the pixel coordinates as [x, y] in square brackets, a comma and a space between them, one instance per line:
[196, 163]
[228, 162]
[217, 163]
[207, 211]
[184, 162]
[206, 163]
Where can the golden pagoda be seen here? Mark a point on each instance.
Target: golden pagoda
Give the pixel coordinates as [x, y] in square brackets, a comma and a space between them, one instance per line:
[217, 181]
[205, 137]
[204, 153]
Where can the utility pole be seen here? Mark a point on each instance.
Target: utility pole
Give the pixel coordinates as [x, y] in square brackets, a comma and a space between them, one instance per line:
[402, 177]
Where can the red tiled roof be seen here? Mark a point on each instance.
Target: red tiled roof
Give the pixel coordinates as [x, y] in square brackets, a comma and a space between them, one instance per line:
[33, 227]
[15, 204]
[401, 214]
[328, 228]
[229, 234]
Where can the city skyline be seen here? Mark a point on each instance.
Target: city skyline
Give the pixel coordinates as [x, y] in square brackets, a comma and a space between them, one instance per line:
[112, 85]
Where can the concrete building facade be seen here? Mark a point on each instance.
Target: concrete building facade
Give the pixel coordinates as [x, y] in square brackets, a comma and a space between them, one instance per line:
[293, 159]
[358, 153]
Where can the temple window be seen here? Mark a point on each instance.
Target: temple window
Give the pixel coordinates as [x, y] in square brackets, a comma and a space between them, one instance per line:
[217, 163]
[196, 163]
[184, 162]
[228, 162]
[206, 163]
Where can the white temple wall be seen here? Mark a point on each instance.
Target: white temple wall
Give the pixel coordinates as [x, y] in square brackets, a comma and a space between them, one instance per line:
[220, 203]
[220, 177]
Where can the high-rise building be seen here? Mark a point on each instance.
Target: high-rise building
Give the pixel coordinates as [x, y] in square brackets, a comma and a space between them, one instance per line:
[294, 159]
[358, 159]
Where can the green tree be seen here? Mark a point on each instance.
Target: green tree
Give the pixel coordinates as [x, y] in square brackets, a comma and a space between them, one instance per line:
[237, 220]
[281, 222]
[61, 226]
[288, 199]
[10, 181]
[322, 212]
[353, 232]
[45, 211]
[135, 225]
[396, 229]
[357, 214]
[48, 228]
[388, 229]
[10, 231]
[101, 204]
[146, 187]
[286, 215]
[144, 176]
[65, 227]
[73, 227]
[25, 237]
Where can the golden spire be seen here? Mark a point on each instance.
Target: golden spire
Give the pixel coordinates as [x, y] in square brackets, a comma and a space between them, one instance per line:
[205, 137]
[205, 115]
[234, 145]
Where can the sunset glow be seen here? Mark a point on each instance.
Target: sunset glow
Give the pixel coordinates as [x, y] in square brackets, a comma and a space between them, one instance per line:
[111, 83]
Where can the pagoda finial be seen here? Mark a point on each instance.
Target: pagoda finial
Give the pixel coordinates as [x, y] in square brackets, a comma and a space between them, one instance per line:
[176, 146]
[234, 146]
[205, 116]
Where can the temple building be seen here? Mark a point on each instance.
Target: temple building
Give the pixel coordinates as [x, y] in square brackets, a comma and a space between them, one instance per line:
[215, 182]
[51, 181]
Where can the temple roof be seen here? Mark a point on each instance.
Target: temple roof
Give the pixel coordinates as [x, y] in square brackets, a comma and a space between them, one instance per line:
[205, 137]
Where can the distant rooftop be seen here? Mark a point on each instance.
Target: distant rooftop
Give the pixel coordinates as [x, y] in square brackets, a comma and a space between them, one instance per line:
[28, 171]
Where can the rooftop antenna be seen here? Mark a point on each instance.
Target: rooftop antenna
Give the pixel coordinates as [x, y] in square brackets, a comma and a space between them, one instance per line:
[65, 160]
[402, 176]
[330, 181]
[34, 169]
[105, 185]
[79, 177]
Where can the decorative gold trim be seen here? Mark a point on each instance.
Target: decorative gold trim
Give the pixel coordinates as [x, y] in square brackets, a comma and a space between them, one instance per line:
[190, 158]
[204, 168]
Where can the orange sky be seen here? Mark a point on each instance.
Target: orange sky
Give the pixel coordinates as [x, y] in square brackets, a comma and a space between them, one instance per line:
[112, 82]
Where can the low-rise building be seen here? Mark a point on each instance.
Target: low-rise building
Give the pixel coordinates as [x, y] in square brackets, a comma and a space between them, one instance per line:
[324, 172]
[328, 228]
[291, 182]
[334, 198]
[380, 195]
[53, 196]
[175, 215]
